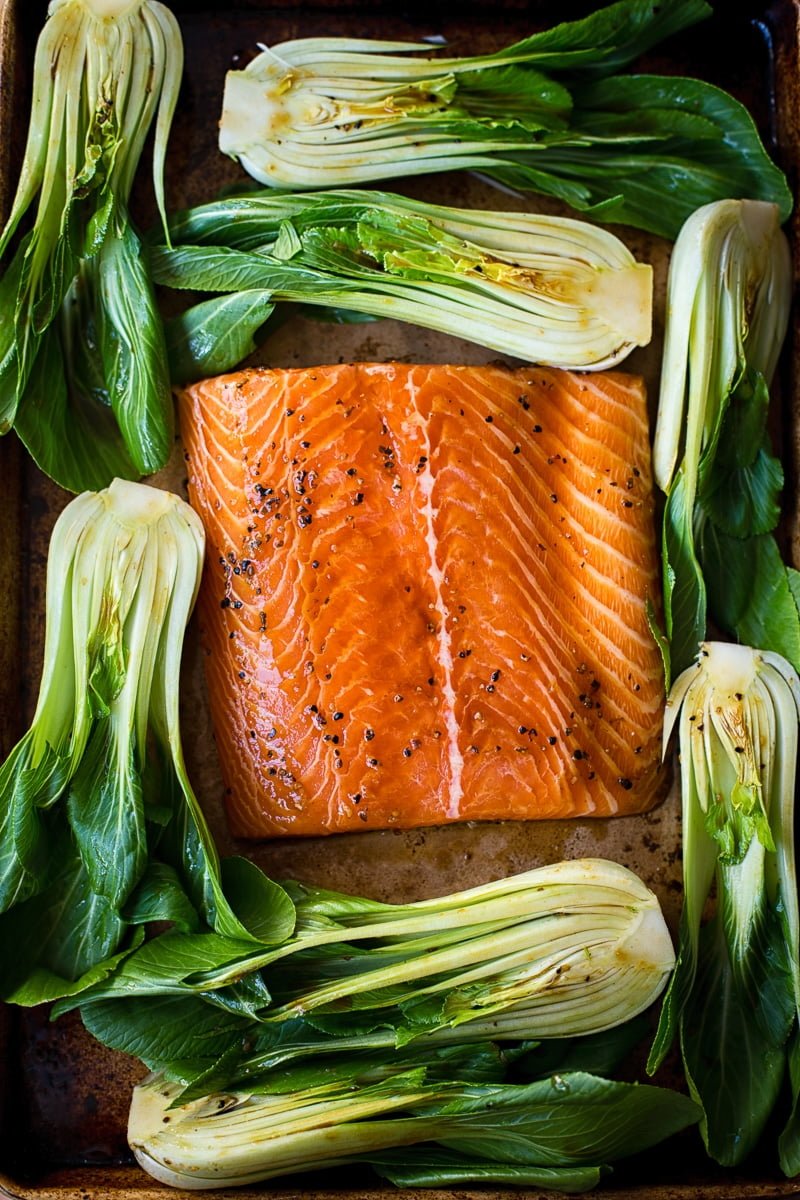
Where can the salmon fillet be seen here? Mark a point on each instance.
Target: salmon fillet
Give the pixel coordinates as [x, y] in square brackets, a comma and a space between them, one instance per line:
[425, 594]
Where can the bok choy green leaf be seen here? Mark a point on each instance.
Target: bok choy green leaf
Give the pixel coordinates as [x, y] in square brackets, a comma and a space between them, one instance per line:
[100, 830]
[546, 289]
[735, 994]
[83, 366]
[543, 115]
[207, 1048]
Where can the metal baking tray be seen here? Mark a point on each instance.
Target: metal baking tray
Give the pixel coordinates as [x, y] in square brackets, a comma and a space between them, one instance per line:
[63, 1098]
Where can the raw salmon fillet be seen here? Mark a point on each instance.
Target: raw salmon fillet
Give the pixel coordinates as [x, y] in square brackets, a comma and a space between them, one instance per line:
[425, 592]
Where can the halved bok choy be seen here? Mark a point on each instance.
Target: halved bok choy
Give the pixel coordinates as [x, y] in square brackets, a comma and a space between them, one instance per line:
[735, 994]
[547, 114]
[83, 368]
[728, 300]
[451, 1123]
[545, 289]
[100, 831]
[572, 948]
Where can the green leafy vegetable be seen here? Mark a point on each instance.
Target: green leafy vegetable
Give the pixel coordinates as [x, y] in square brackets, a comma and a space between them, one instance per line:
[492, 1131]
[63, 418]
[727, 310]
[735, 994]
[98, 783]
[211, 337]
[83, 365]
[424, 1167]
[649, 152]
[546, 289]
[332, 112]
[206, 1048]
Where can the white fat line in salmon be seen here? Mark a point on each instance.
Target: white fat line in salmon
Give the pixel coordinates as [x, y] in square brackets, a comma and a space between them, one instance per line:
[455, 757]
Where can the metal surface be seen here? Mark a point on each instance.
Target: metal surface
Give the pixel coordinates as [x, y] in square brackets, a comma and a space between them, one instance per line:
[63, 1099]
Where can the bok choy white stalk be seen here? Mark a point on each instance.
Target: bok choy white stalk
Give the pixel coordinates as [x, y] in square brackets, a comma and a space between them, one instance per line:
[545, 289]
[100, 830]
[728, 301]
[557, 1133]
[545, 115]
[735, 994]
[83, 369]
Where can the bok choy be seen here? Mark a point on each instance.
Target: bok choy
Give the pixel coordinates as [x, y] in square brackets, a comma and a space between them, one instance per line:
[546, 289]
[83, 368]
[557, 1133]
[571, 948]
[100, 831]
[546, 115]
[728, 301]
[735, 994]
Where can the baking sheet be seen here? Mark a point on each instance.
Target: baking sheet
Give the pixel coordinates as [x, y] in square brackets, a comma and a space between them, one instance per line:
[63, 1099]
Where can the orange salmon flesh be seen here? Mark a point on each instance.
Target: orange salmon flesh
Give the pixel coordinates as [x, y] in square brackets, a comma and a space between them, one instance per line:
[425, 594]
